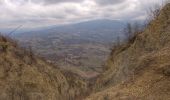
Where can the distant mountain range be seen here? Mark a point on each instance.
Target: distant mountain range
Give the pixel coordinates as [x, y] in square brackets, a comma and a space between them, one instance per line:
[95, 29]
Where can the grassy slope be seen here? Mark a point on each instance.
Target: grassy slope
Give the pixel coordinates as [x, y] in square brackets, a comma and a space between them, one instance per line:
[139, 70]
[26, 77]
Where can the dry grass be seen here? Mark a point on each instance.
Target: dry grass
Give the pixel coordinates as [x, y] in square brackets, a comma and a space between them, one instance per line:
[139, 70]
[23, 76]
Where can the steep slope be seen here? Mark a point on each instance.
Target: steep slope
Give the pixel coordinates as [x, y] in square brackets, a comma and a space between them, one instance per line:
[140, 69]
[26, 77]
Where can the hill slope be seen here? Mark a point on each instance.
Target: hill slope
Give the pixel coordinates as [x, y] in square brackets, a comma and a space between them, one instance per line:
[26, 77]
[140, 69]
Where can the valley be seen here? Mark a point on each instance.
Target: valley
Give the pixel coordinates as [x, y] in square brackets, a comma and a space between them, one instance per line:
[99, 59]
[82, 47]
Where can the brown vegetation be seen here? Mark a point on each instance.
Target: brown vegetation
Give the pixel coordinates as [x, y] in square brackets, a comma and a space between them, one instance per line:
[23, 76]
[139, 70]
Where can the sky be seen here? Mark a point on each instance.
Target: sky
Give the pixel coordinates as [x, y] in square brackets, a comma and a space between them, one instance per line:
[37, 13]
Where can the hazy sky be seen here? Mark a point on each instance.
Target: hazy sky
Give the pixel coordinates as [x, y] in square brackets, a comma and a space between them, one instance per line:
[33, 13]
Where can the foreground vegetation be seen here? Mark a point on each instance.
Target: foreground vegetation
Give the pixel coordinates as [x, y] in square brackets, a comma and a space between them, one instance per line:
[136, 70]
[139, 69]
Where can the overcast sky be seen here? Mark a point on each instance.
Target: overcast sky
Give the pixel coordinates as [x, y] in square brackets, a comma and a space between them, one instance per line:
[33, 13]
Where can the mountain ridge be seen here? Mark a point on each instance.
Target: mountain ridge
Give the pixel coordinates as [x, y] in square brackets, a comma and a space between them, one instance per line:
[140, 69]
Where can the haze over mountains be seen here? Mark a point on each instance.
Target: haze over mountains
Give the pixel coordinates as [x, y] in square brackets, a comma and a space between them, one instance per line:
[135, 70]
[102, 26]
[92, 60]
[77, 45]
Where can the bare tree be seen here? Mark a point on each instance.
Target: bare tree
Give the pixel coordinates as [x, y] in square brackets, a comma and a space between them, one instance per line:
[153, 12]
[31, 54]
[136, 27]
[128, 31]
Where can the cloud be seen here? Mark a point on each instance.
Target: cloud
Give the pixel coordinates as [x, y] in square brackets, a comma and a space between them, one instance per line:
[35, 13]
[109, 2]
[46, 2]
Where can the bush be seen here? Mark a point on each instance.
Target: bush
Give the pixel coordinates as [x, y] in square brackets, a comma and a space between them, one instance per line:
[4, 47]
